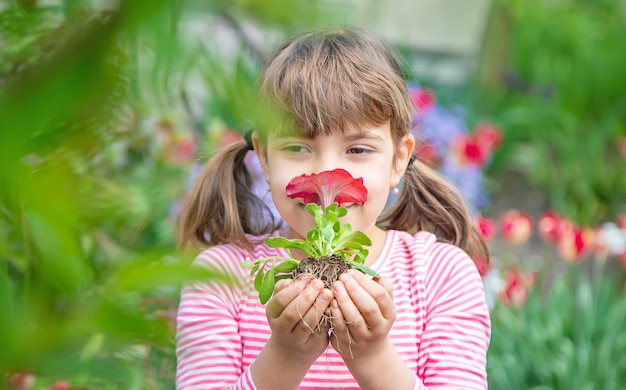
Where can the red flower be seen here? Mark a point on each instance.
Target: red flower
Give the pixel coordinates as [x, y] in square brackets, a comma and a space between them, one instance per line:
[482, 265]
[21, 380]
[327, 187]
[426, 153]
[517, 284]
[516, 227]
[621, 221]
[550, 227]
[488, 135]
[61, 385]
[487, 227]
[227, 136]
[469, 151]
[575, 243]
[422, 99]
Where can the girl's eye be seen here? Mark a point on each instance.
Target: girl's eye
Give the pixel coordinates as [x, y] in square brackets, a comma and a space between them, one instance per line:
[359, 150]
[295, 148]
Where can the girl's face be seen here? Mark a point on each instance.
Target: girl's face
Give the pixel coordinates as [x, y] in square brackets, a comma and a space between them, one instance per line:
[366, 152]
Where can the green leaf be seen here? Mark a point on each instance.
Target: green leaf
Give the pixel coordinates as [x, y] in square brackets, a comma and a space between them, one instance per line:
[357, 237]
[287, 266]
[249, 264]
[327, 234]
[316, 211]
[267, 286]
[282, 242]
[259, 279]
[364, 269]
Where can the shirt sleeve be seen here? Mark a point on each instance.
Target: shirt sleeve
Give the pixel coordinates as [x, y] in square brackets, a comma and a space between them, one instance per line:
[457, 326]
[208, 343]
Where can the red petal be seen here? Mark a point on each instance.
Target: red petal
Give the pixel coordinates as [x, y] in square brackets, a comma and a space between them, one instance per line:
[327, 187]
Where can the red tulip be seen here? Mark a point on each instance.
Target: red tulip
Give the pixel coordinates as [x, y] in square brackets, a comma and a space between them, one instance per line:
[327, 187]
[481, 264]
[487, 227]
[574, 244]
[469, 151]
[550, 226]
[516, 227]
[488, 135]
[61, 385]
[621, 221]
[517, 285]
[22, 380]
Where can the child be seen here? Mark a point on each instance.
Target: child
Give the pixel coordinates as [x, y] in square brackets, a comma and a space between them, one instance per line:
[423, 325]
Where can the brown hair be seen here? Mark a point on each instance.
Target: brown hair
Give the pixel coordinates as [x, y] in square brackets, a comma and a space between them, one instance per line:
[329, 81]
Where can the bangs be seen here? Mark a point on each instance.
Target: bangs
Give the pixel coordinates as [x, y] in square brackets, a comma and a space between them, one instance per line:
[336, 83]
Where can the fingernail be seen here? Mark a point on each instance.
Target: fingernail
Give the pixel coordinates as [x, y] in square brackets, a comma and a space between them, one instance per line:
[317, 285]
[345, 277]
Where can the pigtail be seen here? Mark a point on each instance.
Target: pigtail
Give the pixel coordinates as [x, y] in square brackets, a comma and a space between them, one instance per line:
[428, 202]
[221, 208]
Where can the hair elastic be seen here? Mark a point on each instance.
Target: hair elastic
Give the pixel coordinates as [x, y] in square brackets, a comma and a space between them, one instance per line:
[248, 137]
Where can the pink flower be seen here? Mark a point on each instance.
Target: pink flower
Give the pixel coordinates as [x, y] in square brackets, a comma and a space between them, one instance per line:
[516, 227]
[427, 153]
[227, 136]
[517, 285]
[487, 227]
[61, 385]
[488, 135]
[574, 244]
[423, 99]
[180, 152]
[481, 264]
[621, 221]
[469, 151]
[550, 227]
[22, 380]
[327, 187]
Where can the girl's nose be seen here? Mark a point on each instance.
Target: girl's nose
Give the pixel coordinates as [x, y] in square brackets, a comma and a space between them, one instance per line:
[326, 162]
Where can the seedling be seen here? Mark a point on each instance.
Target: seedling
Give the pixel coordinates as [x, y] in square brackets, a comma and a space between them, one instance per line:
[331, 248]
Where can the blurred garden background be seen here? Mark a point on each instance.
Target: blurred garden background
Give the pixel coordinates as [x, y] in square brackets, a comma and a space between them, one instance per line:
[108, 108]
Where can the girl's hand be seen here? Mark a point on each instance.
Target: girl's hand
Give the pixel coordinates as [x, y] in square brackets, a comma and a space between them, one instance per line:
[362, 314]
[294, 313]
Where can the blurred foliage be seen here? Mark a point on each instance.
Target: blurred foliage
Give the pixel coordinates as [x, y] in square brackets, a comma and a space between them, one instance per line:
[99, 123]
[570, 336]
[552, 77]
[105, 106]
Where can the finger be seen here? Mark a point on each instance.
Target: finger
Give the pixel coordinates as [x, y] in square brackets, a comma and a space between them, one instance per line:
[338, 321]
[306, 307]
[380, 292]
[350, 313]
[313, 321]
[282, 284]
[282, 298]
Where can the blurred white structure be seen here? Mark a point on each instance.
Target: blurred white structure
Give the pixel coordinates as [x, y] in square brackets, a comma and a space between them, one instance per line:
[445, 35]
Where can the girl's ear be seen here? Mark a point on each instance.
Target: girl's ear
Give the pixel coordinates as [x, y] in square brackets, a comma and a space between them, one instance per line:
[261, 153]
[404, 151]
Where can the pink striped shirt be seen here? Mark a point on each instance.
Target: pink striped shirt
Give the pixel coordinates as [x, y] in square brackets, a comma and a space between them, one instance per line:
[441, 331]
